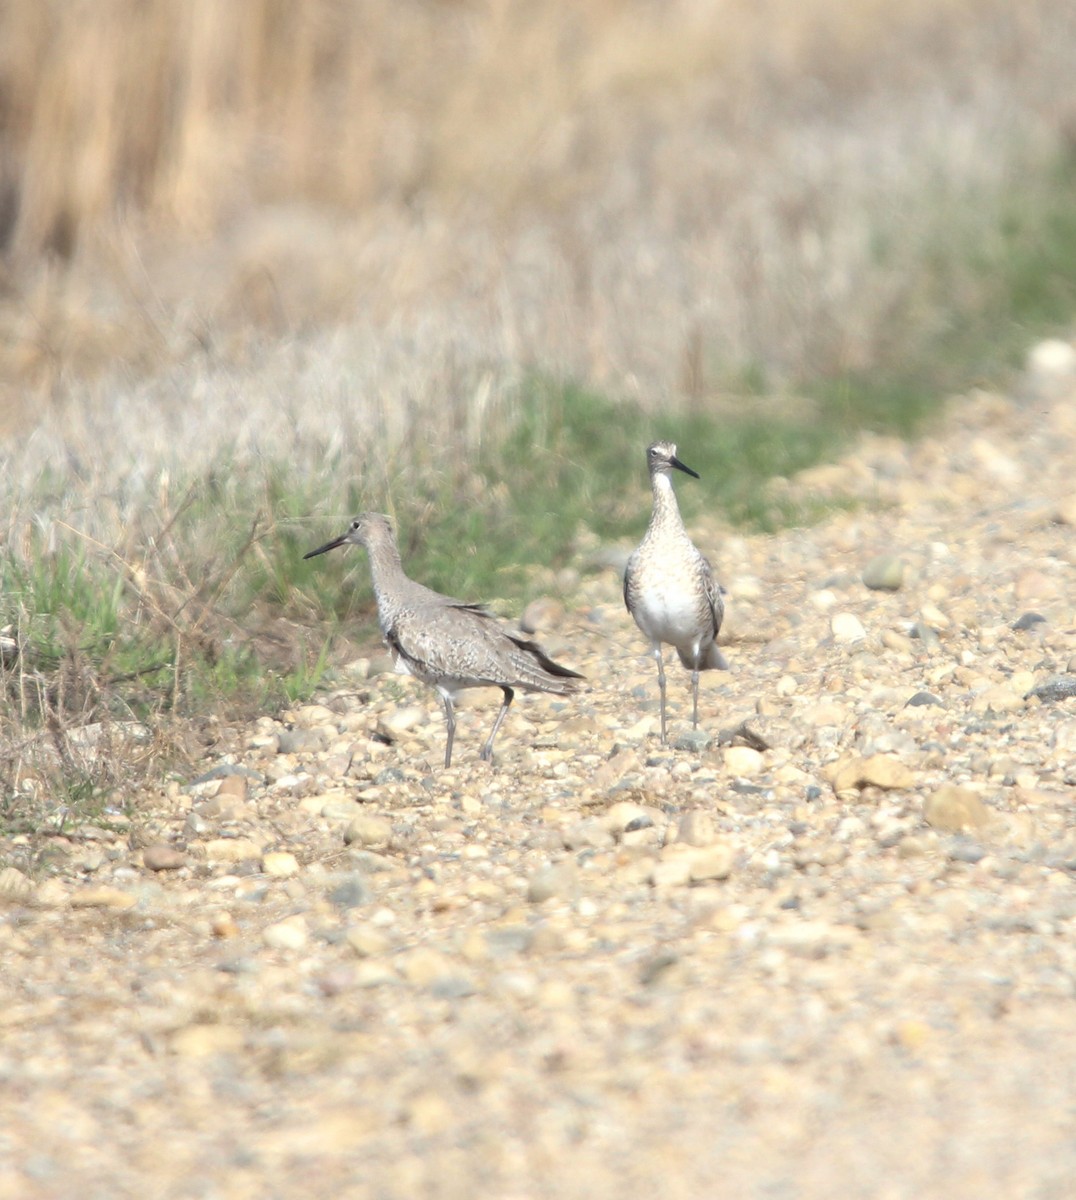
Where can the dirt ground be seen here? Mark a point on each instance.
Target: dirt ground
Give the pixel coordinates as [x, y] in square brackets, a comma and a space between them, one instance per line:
[822, 948]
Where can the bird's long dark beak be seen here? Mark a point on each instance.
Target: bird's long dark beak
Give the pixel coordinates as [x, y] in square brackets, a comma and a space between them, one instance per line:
[673, 462]
[328, 546]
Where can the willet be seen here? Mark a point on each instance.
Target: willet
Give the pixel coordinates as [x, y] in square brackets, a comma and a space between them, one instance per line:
[669, 587]
[445, 642]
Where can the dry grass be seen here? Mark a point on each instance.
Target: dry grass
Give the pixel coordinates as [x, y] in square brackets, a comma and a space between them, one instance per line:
[654, 196]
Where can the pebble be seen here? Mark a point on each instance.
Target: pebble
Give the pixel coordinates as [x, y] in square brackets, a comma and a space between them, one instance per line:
[400, 720]
[846, 628]
[207, 1041]
[103, 897]
[997, 699]
[696, 828]
[624, 813]
[554, 881]
[879, 770]
[593, 834]
[235, 786]
[1060, 687]
[829, 712]
[742, 761]
[671, 871]
[955, 809]
[289, 934]
[350, 892]
[963, 850]
[711, 862]
[926, 635]
[1064, 737]
[884, 573]
[314, 716]
[223, 925]
[159, 856]
[14, 884]
[695, 740]
[369, 830]
[300, 741]
[232, 850]
[280, 864]
[367, 941]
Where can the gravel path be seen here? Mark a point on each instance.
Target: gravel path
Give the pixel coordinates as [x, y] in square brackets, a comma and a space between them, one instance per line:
[825, 949]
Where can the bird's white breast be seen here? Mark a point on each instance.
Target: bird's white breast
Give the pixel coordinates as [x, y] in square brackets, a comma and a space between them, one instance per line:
[668, 614]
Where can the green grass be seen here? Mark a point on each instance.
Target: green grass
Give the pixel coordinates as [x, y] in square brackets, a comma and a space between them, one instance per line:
[978, 308]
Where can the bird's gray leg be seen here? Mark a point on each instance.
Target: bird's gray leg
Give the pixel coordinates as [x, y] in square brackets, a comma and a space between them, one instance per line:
[487, 749]
[450, 722]
[695, 698]
[661, 687]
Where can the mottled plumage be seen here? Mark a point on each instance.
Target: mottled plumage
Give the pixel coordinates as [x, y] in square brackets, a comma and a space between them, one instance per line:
[445, 642]
[669, 587]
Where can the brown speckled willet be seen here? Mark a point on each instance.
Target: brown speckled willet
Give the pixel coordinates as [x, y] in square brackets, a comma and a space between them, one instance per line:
[444, 642]
[669, 587]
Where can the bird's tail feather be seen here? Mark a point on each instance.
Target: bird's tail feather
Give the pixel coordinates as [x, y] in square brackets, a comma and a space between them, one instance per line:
[546, 675]
[712, 660]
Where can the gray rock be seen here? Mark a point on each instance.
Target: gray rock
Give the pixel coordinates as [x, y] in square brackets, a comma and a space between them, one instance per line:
[965, 850]
[1028, 621]
[350, 892]
[696, 828]
[653, 969]
[591, 834]
[555, 881]
[162, 857]
[695, 740]
[1060, 687]
[884, 573]
[223, 771]
[926, 635]
[300, 741]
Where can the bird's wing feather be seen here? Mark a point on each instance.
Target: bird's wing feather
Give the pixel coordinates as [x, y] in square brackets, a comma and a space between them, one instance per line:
[628, 572]
[456, 642]
[713, 595]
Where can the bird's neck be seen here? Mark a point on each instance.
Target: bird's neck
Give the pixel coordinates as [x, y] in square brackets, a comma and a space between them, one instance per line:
[666, 511]
[386, 569]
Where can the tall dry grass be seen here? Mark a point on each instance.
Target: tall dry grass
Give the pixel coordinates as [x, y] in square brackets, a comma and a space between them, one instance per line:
[644, 194]
[189, 113]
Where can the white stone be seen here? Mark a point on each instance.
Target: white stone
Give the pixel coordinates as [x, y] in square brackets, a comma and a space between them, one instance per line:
[847, 628]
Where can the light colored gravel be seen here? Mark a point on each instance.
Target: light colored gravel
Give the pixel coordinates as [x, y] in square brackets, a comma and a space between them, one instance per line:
[827, 953]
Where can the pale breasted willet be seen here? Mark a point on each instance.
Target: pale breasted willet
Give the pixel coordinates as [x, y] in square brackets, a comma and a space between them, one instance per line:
[669, 587]
[445, 642]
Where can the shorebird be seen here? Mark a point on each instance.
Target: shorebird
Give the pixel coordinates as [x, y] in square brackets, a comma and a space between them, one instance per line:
[669, 587]
[444, 642]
